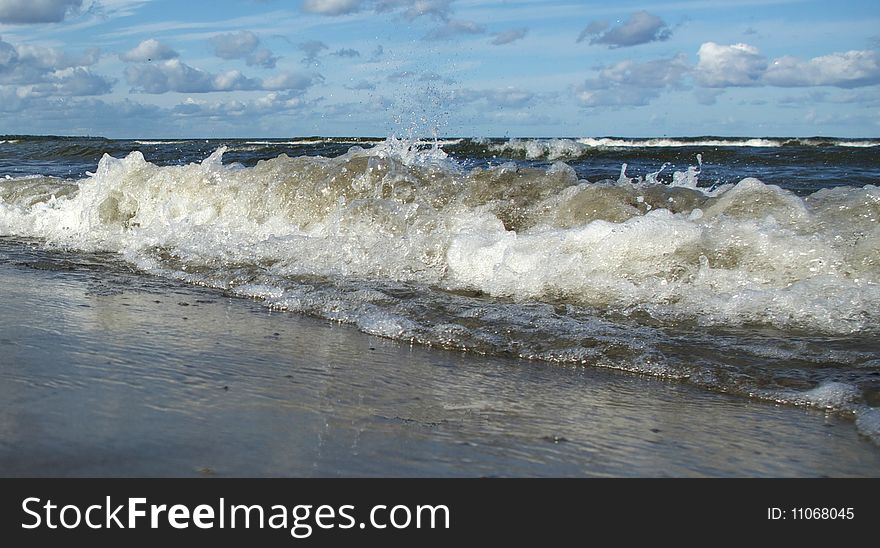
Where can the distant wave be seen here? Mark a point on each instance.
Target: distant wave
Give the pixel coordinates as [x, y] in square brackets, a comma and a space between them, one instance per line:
[572, 148]
[154, 143]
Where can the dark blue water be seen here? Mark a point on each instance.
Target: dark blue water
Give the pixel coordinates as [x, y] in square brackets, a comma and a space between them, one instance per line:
[800, 165]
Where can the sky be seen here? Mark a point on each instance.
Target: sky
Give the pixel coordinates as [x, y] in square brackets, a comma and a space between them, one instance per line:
[502, 68]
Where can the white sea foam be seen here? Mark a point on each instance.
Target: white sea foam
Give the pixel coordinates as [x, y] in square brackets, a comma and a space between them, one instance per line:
[151, 143]
[400, 212]
[554, 149]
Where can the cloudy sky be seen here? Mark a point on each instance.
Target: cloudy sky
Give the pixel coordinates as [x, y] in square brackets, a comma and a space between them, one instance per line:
[282, 68]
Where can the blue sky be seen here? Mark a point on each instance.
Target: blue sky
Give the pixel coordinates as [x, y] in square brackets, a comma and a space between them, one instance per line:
[282, 68]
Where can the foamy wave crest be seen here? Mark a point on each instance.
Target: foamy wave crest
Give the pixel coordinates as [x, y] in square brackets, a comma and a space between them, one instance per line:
[555, 149]
[154, 143]
[401, 213]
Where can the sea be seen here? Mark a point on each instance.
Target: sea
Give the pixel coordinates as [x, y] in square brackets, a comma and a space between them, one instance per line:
[745, 266]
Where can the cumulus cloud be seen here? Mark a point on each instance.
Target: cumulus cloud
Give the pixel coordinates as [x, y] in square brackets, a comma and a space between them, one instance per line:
[455, 28]
[593, 29]
[36, 71]
[234, 45]
[149, 50]
[72, 81]
[175, 76]
[743, 65]
[262, 58]
[291, 81]
[631, 83]
[735, 65]
[225, 110]
[641, 28]
[51, 58]
[78, 115]
[509, 36]
[36, 11]
[845, 70]
[331, 7]
[242, 45]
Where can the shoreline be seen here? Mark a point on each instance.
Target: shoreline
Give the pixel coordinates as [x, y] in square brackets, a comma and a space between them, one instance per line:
[111, 373]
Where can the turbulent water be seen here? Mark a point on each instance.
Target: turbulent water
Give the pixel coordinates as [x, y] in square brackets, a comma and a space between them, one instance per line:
[749, 266]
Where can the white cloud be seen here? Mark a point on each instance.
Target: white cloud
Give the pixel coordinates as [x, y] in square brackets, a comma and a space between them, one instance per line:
[331, 7]
[170, 75]
[175, 76]
[242, 45]
[291, 81]
[234, 45]
[51, 58]
[262, 58]
[845, 70]
[743, 65]
[595, 28]
[641, 28]
[149, 50]
[37, 71]
[228, 110]
[412, 9]
[509, 36]
[735, 65]
[631, 83]
[72, 81]
[36, 11]
[455, 28]
[77, 116]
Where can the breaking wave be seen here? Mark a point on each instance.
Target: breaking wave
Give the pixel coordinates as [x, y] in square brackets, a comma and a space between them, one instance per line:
[406, 242]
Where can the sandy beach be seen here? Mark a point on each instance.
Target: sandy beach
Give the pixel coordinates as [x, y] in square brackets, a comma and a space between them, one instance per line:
[105, 371]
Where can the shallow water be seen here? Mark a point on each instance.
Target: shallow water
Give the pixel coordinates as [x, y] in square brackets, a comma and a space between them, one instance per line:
[107, 371]
[660, 257]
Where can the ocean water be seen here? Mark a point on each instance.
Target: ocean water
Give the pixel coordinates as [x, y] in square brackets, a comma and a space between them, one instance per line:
[749, 266]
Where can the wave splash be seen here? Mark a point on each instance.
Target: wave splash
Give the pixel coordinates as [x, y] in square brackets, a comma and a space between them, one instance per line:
[739, 254]
[557, 149]
[672, 280]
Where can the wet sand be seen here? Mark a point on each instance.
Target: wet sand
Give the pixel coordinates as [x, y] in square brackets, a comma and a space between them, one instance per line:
[108, 372]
